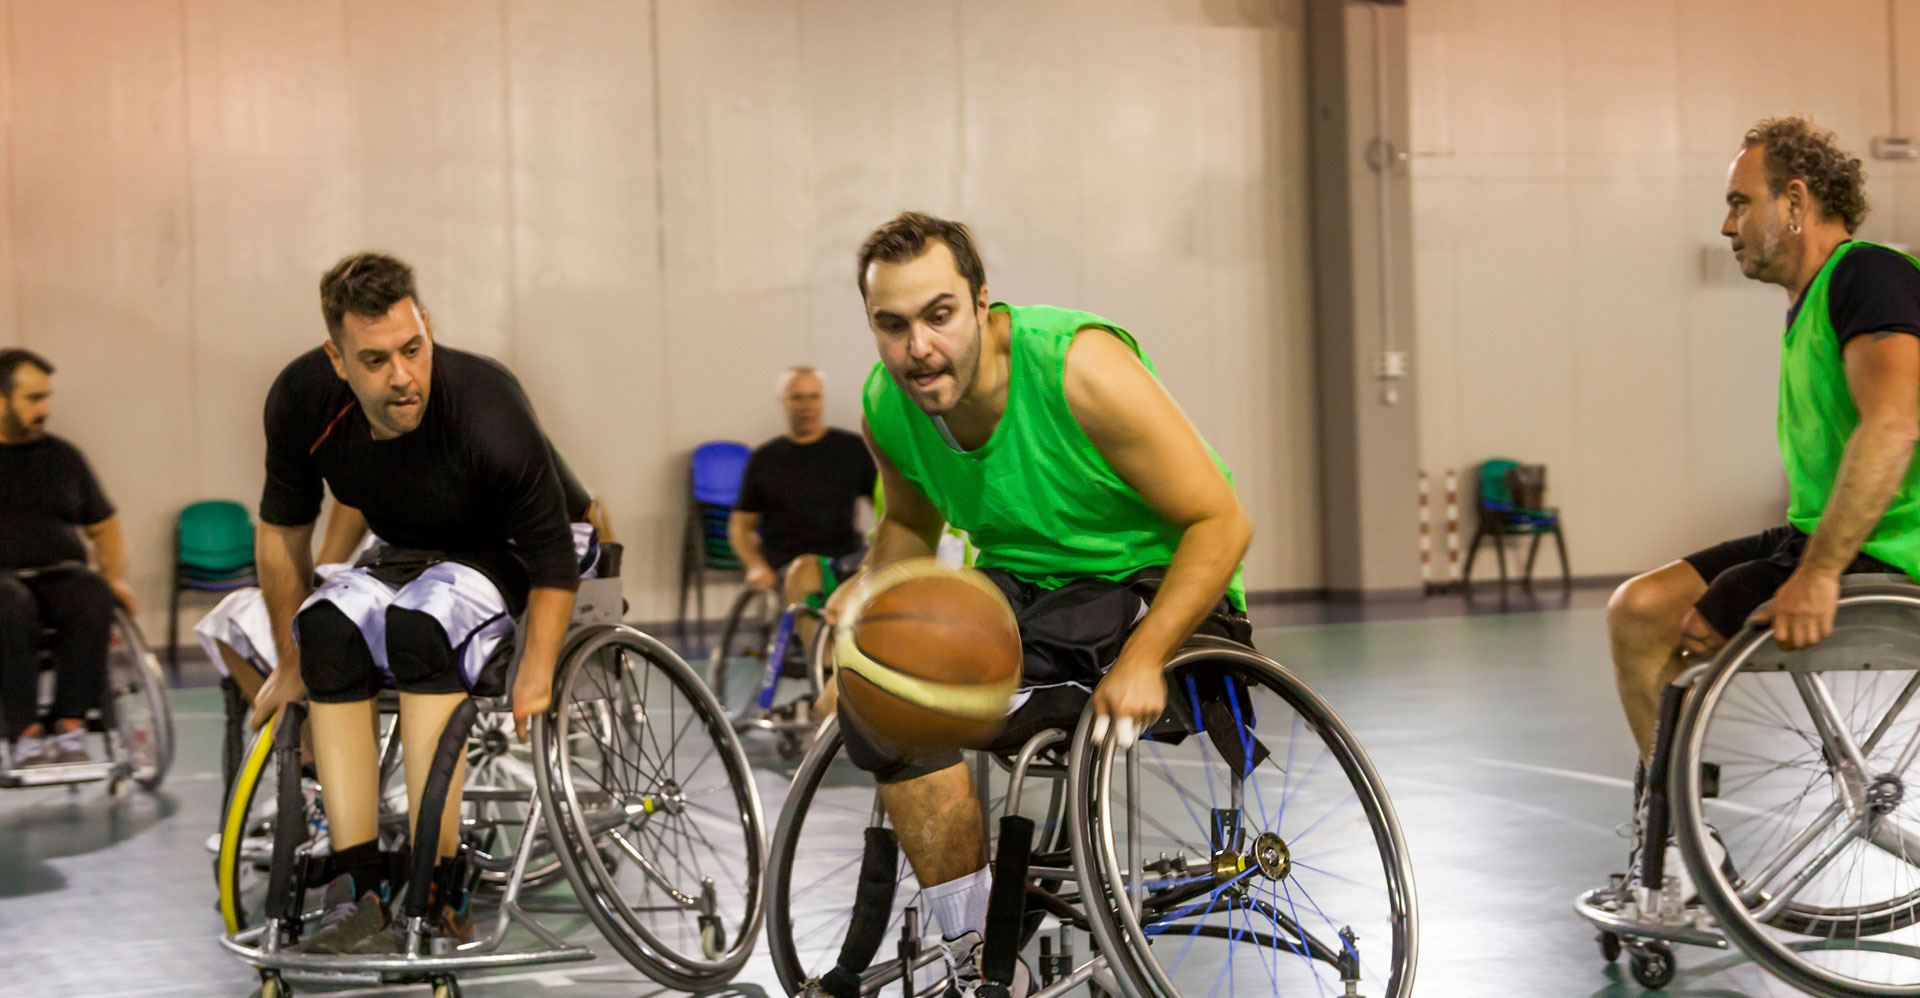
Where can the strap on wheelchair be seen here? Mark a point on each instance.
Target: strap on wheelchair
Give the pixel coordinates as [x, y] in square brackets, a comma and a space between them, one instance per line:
[872, 904]
[1653, 838]
[283, 901]
[232, 741]
[1007, 901]
[426, 830]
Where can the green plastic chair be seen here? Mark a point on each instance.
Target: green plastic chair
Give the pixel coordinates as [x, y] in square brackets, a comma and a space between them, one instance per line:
[1499, 518]
[213, 552]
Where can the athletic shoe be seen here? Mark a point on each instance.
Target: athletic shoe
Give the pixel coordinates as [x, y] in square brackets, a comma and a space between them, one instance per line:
[351, 924]
[454, 924]
[963, 957]
[30, 751]
[71, 746]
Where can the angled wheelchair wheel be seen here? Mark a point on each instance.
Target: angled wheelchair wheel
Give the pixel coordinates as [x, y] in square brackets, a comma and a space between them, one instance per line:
[499, 791]
[1802, 764]
[1248, 845]
[653, 807]
[830, 822]
[740, 659]
[141, 728]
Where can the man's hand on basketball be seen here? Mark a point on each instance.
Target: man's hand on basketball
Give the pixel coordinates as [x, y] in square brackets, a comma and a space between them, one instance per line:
[1130, 699]
[283, 686]
[532, 694]
[1802, 611]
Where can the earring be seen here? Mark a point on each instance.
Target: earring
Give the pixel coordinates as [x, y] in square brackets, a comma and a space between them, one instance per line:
[1793, 227]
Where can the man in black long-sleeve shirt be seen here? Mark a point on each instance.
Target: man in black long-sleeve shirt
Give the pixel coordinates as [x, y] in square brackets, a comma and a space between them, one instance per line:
[441, 452]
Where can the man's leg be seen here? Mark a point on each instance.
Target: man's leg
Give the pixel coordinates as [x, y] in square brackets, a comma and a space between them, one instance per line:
[937, 819]
[423, 716]
[804, 579]
[19, 657]
[79, 607]
[1644, 620]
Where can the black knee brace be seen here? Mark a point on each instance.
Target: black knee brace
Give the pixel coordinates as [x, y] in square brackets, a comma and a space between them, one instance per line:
[334, 659]
[420, 654]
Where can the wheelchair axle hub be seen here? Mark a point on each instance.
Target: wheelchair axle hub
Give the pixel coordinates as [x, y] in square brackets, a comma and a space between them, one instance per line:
[1885, 793]
[1271, 855]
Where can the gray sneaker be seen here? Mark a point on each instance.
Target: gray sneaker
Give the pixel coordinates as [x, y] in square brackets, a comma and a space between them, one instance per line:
[29, 751]
[963, 968]
[70, 746]
[351, 924]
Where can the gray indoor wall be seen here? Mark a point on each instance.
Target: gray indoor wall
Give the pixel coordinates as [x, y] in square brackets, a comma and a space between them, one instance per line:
[646, 209]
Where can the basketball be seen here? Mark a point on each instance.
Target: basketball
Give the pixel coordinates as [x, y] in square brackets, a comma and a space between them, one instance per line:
[928, 657]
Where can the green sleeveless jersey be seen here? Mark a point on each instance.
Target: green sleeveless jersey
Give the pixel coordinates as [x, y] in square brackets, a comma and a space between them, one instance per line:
[1817, 417]
[1037, 499]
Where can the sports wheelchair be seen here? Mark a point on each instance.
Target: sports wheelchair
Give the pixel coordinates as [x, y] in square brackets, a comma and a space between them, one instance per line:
[1798, 764]
[757, 651]
[135, 722]
[1244, 842]
[634, 789]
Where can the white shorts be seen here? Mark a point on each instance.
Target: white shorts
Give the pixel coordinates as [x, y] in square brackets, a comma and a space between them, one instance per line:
[240, 620]
[462, 600]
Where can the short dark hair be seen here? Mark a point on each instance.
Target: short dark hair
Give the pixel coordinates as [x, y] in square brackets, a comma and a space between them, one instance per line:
[366, 285]
[12, 359]
[907, 235]
[1796, 149]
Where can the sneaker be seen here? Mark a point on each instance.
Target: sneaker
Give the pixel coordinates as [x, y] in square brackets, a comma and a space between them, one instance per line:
[963, 972]
[30, 751]
[70, 746]
[351, 924]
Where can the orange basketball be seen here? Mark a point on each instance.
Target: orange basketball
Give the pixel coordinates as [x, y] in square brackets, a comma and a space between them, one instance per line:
[928, 657]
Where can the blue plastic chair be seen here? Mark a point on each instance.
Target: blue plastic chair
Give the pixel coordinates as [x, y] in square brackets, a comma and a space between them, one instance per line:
[713, 486]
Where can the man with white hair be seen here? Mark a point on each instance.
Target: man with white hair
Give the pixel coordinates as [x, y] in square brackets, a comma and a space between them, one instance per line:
[794, 520]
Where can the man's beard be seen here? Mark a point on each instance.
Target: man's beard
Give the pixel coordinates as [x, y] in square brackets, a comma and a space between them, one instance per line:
[15, 429]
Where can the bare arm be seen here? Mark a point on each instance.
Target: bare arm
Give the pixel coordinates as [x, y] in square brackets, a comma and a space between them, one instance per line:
[1883, 375]
[549, 611]
[283, 558]
[110, 550]
[910, 527]
[346, 527]
[1148, 441]
[742, 533]
[602, 523]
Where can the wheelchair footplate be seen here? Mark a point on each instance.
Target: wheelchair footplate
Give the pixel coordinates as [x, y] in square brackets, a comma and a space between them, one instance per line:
[66, 774]
[1645, 935]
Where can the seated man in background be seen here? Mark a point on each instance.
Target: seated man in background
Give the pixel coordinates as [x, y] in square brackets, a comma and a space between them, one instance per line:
[46, 492]
[794, 519]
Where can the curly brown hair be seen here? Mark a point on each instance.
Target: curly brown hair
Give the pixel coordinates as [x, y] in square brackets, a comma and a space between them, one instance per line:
[1797, 149]
[366, 285]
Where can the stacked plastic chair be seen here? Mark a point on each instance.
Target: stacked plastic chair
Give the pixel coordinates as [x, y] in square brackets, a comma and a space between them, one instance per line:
[213, 552]
[1504, 514]
[713, 486]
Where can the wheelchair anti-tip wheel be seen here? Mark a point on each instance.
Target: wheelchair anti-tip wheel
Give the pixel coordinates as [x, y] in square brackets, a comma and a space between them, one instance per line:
[1804, 762]
[654, 776]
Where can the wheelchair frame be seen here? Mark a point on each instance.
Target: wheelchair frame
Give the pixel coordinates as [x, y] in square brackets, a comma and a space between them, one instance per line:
[1020, 897]
[141, 677]
[791, 722]
[1679, 779]
[424, 958]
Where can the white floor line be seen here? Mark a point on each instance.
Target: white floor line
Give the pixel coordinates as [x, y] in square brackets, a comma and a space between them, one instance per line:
[1570, 774]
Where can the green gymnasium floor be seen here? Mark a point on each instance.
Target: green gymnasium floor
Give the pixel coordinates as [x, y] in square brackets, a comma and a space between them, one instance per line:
[1497, 735]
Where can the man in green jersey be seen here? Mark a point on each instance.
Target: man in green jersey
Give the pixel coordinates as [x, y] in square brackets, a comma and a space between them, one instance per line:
[1093, 503]
[1847, 423]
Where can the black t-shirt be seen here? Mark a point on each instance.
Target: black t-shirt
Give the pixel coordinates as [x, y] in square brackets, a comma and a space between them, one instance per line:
[46, 490]
[476, 475]
[1873, 289]
[805, 495]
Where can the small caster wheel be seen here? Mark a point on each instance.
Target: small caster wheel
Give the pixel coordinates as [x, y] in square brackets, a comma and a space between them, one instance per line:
[789, 747]
[713, 937]
[271, 986]
[1652, 965]
[446, 987]
[1609, 946]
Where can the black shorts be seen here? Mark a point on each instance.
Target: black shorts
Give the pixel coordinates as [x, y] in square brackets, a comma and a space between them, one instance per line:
[1069, 637]
[1742, 574]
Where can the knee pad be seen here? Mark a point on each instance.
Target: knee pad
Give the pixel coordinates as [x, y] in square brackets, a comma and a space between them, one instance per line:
[335, 662]
[420, 654]
[886, 766]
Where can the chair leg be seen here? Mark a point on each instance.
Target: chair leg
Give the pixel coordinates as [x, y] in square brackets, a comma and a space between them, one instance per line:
[1533, 551]
[1566, 572]
[1466, 572]
[1500, 557]
[173, 628]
